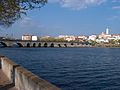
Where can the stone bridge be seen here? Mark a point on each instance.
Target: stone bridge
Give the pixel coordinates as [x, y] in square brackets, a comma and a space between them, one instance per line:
[21, 43]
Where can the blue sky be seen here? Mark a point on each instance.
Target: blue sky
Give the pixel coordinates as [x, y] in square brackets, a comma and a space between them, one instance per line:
[71, 17]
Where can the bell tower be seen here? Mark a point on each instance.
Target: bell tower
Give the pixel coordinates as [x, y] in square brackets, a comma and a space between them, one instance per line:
[107, 30]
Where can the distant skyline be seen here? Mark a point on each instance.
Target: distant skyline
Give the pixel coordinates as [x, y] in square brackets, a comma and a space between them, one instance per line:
[69, 17]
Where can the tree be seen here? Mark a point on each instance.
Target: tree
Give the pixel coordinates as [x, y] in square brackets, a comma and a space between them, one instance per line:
[119, 41]
[51, 39]
[11, 10]
[112, 41]
[93, 43]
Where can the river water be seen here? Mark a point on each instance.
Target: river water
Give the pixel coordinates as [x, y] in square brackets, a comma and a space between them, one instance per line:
[71, 68]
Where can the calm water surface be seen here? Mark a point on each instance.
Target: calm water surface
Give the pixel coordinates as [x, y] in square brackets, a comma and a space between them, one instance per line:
[71, 68]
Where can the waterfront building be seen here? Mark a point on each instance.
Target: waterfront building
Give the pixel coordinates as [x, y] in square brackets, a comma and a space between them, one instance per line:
[82, 37]
[92, 37]
[27, 37]
[67, 37]
[101, 40]
[71, 38]
[116, 36]
[104, 36]
[34, 38]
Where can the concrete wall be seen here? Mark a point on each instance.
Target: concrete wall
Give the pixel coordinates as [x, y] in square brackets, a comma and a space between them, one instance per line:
[8, 67]
[22, 78]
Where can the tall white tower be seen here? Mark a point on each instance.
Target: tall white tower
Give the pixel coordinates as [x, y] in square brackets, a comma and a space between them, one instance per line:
[107, 30]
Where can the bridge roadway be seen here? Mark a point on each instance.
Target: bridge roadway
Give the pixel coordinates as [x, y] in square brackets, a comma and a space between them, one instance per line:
[5, 83]
[21, 43]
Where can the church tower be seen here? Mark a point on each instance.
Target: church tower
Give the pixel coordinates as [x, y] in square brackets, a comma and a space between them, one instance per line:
[107, 31]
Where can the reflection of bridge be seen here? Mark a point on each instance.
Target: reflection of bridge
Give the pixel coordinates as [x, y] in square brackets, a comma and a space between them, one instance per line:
[21, 43]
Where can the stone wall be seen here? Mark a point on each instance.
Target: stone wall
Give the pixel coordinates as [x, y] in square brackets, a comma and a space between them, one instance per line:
[8, 67]
[22, 78]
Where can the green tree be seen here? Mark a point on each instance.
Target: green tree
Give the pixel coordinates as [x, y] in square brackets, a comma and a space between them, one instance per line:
[11, 10]
[119, 41]
[112, 41]
[92, 42]
[51, 39]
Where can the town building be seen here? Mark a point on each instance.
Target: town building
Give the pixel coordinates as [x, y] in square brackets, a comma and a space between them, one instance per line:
[27, 37]
[92, 37]
[67, 37]
[103, 35]
[81, 38]
[116, 36]
[102, 40]
[34, 38]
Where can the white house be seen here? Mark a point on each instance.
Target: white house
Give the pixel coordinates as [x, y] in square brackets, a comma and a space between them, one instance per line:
[102, 40]
[34, 38]
[67, 37]
[116, 36]
[82, 37]
[92, 37]
[26, 37]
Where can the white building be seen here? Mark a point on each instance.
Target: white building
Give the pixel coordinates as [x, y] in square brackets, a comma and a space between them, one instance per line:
[67, 37]
[29, 37]
[62, 36]
[82, 37]
[102, 40]
[34, 38]
[26, 37]
[104, 35]
[116, 36]
[92, 37]
[71, 38]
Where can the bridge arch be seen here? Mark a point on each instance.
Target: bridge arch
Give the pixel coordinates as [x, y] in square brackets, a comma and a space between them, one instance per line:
[52, 45]
[65, 45]
[72, 43]
[28, 44]
[19, 44]
[34, 44]
[39, 45]
[4, 44]
[59, 45]
[45, 45]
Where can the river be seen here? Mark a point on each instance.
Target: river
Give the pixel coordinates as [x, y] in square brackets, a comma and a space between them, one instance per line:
[71, 68]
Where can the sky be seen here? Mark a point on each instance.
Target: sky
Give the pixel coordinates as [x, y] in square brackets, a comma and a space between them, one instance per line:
[68, 17]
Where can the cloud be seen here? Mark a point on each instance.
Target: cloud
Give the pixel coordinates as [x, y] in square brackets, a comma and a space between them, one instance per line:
[28, 25]
[27, 22]
[116, 7]
[78, 4]
[116, 17]
[114, 1]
